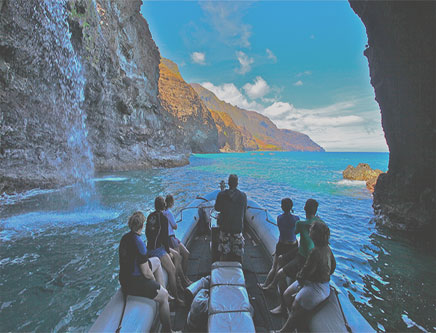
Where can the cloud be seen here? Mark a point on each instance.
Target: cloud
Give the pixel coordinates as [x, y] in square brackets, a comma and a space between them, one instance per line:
[305, 73]
[198, 58]
[258, 89]
[225, 17]
[271, 55]
[229, 93]
[245, 61]
[298, 83]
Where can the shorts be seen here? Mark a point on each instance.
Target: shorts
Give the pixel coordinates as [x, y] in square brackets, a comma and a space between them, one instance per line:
[293, 267]
[159, 252]
[231, 243]
[141, 286]
[282, 248]
[174, 242]
[311, 294]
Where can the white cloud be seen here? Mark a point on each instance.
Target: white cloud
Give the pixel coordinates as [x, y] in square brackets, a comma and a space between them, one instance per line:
[245, 61]
[225, 17]
[271, 55]
[199, 58]
[229, 93]
[258, 89]
[298, 83]
[305, 73]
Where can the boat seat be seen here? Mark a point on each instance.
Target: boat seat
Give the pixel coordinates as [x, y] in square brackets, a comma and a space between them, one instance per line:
[229, 305]
[139, 315]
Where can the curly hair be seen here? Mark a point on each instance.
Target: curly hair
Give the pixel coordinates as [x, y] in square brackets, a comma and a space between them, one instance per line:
[320, 233]
[169, 200]
[159, 203]
[136, 221]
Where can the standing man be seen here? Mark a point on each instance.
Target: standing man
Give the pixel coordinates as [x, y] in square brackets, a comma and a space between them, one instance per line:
[231, 204]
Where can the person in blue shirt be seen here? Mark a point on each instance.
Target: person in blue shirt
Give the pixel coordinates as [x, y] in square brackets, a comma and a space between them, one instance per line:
[139, 274]
[287, 241]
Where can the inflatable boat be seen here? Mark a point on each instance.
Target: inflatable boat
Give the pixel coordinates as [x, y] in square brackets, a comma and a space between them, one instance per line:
[235, 302]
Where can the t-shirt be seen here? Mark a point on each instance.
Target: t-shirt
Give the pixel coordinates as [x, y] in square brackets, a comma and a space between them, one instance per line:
[132, 253]
[156, 231]
[302, 227]
[320, 264]
[286, 224]
[232, 205]
[171, 221]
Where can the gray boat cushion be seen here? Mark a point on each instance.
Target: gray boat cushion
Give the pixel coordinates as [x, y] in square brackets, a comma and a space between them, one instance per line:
[227, 273]
[329, 318]
[229, 299]
[231, 322]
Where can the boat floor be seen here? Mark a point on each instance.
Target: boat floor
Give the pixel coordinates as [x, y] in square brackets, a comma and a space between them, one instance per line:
[256, 264]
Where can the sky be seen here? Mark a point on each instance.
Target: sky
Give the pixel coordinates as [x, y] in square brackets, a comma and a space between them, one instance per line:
[300, 63]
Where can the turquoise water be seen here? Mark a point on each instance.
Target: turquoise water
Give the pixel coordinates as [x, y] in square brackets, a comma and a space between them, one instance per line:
[58, 264]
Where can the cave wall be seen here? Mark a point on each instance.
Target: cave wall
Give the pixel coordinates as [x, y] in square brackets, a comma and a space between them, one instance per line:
[401, 53]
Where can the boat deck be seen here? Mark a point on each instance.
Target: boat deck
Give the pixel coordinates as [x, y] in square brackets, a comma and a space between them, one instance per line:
[256, 264]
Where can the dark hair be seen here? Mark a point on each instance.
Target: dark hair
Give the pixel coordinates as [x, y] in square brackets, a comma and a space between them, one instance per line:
[169, 200]
[311, 206]
[136, 221]
[320, 233]
[159, 203]
[287, 204]
[233, 181]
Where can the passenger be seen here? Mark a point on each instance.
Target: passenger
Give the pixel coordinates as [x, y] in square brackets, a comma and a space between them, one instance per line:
[287, 241]
[179, 251]
[140, 275]
[232, 205]
[158, 244]
[292, 267]
[312, 286]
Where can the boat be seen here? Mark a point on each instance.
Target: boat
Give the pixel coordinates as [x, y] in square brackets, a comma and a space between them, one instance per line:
[337, 314]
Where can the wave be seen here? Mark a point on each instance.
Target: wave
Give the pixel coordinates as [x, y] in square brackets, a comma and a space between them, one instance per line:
[110, 179]
[347, 182]
[10, 199]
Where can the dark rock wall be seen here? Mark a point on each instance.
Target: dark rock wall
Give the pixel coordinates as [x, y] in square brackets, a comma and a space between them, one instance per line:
[402, 59]
[110, 99]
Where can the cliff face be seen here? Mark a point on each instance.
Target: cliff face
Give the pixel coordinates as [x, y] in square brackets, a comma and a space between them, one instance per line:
[230, 138]
[191, 115]
[79, 84]
[260, 131]
[401, 54]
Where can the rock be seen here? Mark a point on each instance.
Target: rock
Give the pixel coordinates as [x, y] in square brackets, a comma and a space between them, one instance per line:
[401, 54]
[258, 131]
[362, 172]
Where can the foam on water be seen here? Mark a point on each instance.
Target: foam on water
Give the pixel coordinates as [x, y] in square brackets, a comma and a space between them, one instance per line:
[347, 182]
[110, 179]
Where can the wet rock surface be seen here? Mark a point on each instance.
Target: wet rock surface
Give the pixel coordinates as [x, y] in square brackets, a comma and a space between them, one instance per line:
[98, 78]
[401, 54]
[362, 172]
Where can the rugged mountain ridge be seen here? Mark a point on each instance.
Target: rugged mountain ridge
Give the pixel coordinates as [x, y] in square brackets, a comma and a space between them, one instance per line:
[192, 117]
[263, 131]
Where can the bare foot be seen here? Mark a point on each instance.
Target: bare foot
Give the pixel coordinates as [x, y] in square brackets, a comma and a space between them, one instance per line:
[277, 310]
[265, 287]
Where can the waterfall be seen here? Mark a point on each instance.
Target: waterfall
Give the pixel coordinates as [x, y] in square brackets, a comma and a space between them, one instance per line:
[77, 162]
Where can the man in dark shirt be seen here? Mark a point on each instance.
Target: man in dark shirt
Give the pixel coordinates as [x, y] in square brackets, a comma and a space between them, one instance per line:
[232, 205]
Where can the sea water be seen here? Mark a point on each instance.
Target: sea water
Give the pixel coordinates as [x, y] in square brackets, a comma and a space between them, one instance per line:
[59, 260]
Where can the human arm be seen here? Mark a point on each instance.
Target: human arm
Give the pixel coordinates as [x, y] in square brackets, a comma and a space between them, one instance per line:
[146, 271]
[219, 202]
[142, 258]
[309, 267]
[333, 263]
[164, 232]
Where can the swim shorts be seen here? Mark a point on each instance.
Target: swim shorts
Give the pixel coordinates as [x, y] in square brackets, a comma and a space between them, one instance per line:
[174, 242]
[141, 286]
[282, 248]
[159, 252]
[310, 294]
[293, 267]
[231, 243]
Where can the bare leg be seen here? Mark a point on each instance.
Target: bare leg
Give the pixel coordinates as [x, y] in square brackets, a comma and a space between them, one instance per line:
[185, 256]
[177, 259]
[164, 309]
[270, 277]
[156, 268]
[297, 316]
[168, 265]
[280, 280]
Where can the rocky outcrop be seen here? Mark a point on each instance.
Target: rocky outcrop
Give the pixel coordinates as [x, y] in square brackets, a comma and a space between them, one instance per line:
[262, 131]
[230, 138]
[78, 91]
[362, 172]
[192, 117]
[401, 54]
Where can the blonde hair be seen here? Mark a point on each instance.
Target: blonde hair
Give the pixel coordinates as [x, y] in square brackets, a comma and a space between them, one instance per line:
[136, 221]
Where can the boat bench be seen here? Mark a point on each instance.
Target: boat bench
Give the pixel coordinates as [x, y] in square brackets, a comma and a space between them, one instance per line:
[229, 305]
[139, 315]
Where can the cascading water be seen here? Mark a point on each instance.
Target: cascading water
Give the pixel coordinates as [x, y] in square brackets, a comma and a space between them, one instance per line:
[77, 162]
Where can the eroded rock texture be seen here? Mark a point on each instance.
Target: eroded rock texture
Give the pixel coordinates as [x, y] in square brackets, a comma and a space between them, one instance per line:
[402, 60]
[78, 88]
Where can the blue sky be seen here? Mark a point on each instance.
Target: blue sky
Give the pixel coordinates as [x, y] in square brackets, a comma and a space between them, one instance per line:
[300, 63]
